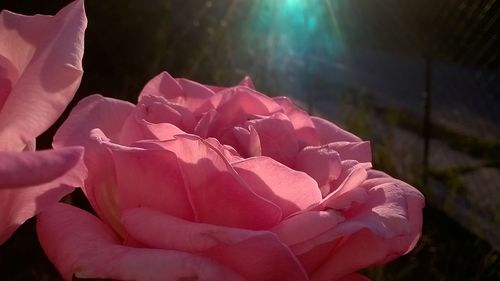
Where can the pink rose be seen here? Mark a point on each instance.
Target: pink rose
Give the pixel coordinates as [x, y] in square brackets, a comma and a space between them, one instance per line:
[224, 183]
[40, 70]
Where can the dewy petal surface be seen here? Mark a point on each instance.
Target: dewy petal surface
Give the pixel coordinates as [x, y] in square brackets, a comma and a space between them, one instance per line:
[45, 55]
[32, 181]
[81, 245]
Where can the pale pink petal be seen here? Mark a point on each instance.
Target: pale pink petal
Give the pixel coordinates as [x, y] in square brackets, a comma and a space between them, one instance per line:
[321, 163]
[276, 137]
[156, 109]
[92, 112]
[197, 96]
[101, 185]
[359, 151]
[246, 141]
[247, 82]
[79, 244]
[205, 121]
[227, 151]
[387, 225]
[237, 105]
[136, 129]
[215, 187]
[306, 226]
[32, 181]
[291, 190]
[163, 85]
[329, 132]
[45, 55]
[255, 255]
[345, 189]
[301, 121]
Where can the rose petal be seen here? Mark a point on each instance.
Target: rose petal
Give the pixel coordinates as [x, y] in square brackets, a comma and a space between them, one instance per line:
[321, 163]
[151, 178]
[46, 53]
[329, 132]
[78, 243]
[305, 130]
[354, 277]
[345, 189]
[384, 227]
[163, 85]
[306, 226]
[276, 137]
[359, 151]
[32, 181]
[238, 104]
[94, 111]
[215, 187]
[256, 255]
[291, 190]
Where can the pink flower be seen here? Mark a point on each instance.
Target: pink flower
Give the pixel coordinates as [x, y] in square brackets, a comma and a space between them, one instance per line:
[40, 70]
[224, 184]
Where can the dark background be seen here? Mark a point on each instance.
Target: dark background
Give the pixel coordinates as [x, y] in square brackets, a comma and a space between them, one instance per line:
[420, 79]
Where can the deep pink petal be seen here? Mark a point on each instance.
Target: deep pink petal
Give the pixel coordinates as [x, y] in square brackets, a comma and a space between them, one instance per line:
[79, 244]
[215, 187]
[45, 69]
[32, 181]
[329, 132]
[94, 111]
[301, 121]
[256, 255]
[291, 190]
[354, 277]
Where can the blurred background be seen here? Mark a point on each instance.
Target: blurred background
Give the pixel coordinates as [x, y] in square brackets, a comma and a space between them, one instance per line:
[420, 79]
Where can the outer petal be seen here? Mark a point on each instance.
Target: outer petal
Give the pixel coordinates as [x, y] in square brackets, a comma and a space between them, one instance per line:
[78, 243]
[256, 255]
[94, 111]
[32, 181]
[46, 54]
[151, 178]
[329, 132]
[291, 190]
[386, 226]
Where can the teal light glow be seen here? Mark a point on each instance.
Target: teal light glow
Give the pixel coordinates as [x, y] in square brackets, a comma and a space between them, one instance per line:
[295, 29]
